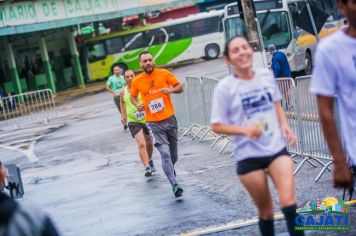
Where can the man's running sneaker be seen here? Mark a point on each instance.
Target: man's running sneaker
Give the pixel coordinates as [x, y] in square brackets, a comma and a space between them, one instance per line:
[177, 190]
[148, 172]
[125, 127]
[152, 166]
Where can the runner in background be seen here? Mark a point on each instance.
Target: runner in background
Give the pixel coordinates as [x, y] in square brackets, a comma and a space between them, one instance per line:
[155, 86]
[114, 85]
[137, 125]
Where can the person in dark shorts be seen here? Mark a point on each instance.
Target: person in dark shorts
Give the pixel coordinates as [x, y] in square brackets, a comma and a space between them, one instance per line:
[137, 125]
[114, 85]
[155, 86]
[247, 106]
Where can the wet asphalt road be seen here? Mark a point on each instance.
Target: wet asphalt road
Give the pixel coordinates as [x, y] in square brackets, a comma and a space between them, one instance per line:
[90, 180]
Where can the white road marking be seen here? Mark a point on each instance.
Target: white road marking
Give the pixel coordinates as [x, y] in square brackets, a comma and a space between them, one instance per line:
[228, 226]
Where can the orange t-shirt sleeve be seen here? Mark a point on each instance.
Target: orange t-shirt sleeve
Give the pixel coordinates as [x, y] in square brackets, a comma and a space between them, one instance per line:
[171, 79]
[134, 90]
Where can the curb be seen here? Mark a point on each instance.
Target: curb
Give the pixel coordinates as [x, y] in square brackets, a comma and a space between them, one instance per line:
[59, 100]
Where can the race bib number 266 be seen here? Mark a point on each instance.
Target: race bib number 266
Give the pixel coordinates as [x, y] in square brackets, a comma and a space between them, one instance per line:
[156, 105]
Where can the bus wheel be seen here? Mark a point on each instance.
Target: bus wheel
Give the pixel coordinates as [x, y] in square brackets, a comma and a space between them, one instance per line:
[308, 63]
[212, 51]
[122, 66]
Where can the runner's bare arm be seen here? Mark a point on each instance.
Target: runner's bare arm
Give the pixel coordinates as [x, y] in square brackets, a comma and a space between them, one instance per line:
[136, 103]
[341, 171]
[178, 88]
[109, 90]
[123, 107]
[286, 130]
[2, 176]
[253, 132]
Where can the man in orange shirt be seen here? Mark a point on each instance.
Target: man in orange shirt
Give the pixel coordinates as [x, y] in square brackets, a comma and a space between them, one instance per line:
[155, 86]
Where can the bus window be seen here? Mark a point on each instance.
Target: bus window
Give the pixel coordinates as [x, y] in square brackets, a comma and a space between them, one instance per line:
[178, 32]
[235, 27]
[268, 5]
[329, 7]
[96, 52]
[205, 26]
[221, 27]
[156, 36]
[135, 41]
[114, 45]
[275, 28]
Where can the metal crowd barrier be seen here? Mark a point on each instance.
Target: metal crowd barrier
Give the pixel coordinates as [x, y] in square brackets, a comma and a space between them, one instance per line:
[301, 111]
[181, 109]
[312, 138]
[28, 107]
[287, 89]
[196, 111]
[193, 110]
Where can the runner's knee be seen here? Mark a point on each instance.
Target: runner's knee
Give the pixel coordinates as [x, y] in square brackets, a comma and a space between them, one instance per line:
[141, 145]
[148, 141]
[265, 213]
[286, 199]
[164, 151]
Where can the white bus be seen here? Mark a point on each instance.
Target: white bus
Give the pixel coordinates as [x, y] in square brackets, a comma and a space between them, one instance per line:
[195, 36]
[287, 24]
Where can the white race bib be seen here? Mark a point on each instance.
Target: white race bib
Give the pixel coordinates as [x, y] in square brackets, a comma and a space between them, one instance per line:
[266, 121]
[156, 105]
[139, 115]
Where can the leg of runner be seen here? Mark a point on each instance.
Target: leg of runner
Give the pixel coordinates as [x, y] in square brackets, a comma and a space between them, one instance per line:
[255, 183]
[167, 164]
[141, 144]
[168, 168]
[117, 103]
[149, 149]
[281, 172]
[173, 146]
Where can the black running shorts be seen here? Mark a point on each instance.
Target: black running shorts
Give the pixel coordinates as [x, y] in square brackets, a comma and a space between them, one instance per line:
[136, 127]
[258, 163]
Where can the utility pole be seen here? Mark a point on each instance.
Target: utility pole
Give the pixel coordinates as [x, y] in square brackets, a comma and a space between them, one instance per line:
[251, 24]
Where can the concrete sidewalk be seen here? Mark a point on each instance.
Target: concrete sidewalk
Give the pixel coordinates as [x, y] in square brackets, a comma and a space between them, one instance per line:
[75, 93]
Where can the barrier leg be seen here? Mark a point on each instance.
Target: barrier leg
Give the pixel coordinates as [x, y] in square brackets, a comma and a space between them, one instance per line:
[205, 133]
[216, 141]
[186, 132]
[293, 158]
[196, 134]
[223, 148]
[312, 163]
[323, 170]
[181, 130]
[300, 165]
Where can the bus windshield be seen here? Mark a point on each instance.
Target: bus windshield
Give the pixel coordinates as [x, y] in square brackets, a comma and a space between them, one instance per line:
[274, 26]
[234, 26]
